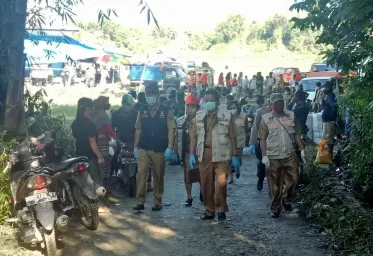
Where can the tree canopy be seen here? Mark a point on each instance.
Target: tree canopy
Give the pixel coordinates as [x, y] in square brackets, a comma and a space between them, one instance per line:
[274, 32]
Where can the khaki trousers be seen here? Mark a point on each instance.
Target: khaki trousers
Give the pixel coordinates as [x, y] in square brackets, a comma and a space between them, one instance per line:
[214, 191]
[282, 176]
[155, 160]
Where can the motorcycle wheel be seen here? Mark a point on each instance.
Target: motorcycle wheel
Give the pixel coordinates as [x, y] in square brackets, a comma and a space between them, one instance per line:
[89, 213]
[50, 245]
[132, 186]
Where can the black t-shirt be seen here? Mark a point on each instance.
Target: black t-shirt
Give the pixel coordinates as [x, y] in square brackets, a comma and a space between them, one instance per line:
[84, 129]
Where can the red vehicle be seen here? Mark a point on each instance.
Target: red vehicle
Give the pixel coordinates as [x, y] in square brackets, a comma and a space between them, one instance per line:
[287, 74]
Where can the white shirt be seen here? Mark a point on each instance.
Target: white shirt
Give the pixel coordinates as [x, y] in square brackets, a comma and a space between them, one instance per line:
[246, 83]
[253, 84]
[270, 81]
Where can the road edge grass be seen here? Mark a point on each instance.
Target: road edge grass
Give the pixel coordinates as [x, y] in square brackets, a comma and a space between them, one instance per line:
[329, 204]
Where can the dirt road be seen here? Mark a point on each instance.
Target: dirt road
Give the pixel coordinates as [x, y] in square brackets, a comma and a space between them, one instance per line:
[178, 231]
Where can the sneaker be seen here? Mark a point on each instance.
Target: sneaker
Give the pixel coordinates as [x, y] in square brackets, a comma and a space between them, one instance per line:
[188, 202]
[289, 209]
[238, 174]
[139, 207]
[157, 208]
[259, 185]
[221, 216]
[275, 215]
[207, 217]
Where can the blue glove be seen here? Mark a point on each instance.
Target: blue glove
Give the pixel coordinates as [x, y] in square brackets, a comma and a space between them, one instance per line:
[192, 161]
[174, 157]
[252, 149]
[236, 163]
[168, 154]
[136, 153]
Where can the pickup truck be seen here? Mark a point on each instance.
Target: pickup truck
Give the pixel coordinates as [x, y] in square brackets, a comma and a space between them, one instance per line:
[168, 77]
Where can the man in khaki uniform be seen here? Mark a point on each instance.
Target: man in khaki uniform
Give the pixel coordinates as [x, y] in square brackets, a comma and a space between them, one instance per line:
[154, 138]
[213, 139]
[279, 132]
[182, 145]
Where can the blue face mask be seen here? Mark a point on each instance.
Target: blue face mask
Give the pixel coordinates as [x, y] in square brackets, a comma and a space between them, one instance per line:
[151, 100]
[211, 105]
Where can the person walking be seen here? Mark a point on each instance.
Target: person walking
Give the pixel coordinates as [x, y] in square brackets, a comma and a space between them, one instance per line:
[182, 144]
[154, 138]
[221, 80]
[85, 134]
[213, 140]
[228, 81]
[252, 86]
[234, 85]
[329, 116]
[279, 132]
[254, 143]
[259, 83]
[318, 98]
[241, 122]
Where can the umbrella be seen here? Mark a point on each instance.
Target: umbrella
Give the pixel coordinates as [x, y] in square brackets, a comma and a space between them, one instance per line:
[113, 58]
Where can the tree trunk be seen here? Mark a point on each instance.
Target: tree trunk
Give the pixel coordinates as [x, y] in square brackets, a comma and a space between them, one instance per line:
[13, 42]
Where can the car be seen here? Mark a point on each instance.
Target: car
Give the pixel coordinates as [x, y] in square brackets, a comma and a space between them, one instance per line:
[309, 85]
[287, 74]
[320, 67]
[168, 77]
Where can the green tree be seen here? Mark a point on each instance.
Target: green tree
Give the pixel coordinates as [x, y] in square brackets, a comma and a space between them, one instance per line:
[232, 28]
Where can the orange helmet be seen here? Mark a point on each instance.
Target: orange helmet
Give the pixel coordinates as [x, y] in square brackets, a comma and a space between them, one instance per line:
[191, 100]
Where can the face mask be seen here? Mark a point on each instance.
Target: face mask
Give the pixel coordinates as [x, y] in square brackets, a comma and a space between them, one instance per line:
[233, 111]
[211, 105]
[151, 100]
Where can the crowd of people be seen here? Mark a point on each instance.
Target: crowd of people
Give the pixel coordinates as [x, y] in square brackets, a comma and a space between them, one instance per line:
[206, 134]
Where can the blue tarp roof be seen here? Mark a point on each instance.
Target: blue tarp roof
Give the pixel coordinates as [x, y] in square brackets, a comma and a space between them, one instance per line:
[47, 48]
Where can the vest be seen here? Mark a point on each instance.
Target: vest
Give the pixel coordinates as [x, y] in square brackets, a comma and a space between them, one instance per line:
[241, 136]
[221, 143]
[154, 131]
[280, 142]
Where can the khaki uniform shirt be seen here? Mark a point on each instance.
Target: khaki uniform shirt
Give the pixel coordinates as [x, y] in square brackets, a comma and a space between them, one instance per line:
[263, 130]
[211, 122]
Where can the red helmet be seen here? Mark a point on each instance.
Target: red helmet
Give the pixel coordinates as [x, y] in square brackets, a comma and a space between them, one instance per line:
[191, 100]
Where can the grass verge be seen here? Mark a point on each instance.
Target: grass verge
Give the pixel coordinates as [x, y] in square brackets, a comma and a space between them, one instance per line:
[326, 201]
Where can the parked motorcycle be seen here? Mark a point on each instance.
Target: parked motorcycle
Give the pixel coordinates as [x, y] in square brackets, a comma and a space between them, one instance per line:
[34, 198]
[126, 168]
[76, 190]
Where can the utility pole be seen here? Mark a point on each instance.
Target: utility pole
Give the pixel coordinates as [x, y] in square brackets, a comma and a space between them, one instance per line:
[13, 19]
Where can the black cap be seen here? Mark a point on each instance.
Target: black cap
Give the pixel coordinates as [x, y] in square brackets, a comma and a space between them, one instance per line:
[151, 87]
[85, 103]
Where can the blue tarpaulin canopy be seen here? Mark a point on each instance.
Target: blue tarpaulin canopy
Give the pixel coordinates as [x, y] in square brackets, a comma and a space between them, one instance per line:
[47, 48]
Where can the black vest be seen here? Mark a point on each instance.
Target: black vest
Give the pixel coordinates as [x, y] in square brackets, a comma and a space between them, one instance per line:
[154, 130]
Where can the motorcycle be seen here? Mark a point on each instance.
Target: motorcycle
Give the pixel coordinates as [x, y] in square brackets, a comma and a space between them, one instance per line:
[126, 167]
[34, 198]
[76, 190]
[74, 187]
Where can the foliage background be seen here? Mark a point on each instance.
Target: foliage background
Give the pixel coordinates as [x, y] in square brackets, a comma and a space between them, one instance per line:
[273, 33]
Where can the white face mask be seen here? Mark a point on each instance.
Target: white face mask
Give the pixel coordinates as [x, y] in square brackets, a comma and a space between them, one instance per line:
[233, 111]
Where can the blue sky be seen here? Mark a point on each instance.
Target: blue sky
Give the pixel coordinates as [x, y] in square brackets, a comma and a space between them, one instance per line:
[187, 14]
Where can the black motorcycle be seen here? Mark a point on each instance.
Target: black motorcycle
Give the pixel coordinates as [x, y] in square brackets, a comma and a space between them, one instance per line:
[76, 190]
[126, 168]
[34, 198]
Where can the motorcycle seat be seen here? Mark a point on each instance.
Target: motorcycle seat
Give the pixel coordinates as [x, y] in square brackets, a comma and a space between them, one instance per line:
[69, 162]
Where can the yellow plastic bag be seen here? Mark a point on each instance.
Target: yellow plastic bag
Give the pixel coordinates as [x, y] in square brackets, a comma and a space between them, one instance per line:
[323, 156]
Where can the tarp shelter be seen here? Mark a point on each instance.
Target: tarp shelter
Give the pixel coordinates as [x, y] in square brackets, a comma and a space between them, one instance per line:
[48, 48]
